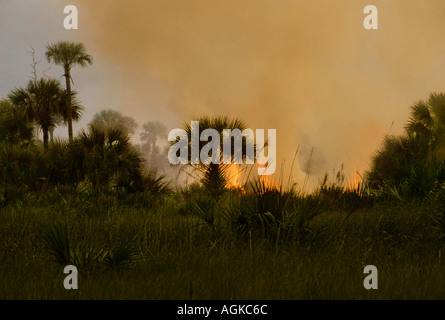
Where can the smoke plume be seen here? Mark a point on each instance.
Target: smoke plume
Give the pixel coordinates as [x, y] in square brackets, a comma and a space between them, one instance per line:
[306, 68]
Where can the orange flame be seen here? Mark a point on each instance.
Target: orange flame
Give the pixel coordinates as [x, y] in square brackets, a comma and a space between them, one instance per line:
[269, 183]
[234, 179]
[354, 182]
[233, 176]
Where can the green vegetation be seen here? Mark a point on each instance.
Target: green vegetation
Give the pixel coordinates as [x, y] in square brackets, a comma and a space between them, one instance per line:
[413, 164]
[174, 250]
[96, 201]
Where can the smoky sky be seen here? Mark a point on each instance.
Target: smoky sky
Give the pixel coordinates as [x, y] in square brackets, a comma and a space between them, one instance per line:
[306, 68]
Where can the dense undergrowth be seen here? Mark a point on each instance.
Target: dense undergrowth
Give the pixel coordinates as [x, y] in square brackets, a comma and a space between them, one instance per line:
[264, 244]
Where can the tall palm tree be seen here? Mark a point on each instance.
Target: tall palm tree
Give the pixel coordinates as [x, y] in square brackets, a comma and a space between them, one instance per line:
[67, 55]
[42, 101]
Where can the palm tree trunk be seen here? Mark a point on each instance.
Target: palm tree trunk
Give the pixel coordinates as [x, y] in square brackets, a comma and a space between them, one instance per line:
[45, 138]
[214, 180]
[70, 116]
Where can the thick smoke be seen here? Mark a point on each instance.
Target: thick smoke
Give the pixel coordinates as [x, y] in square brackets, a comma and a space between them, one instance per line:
[306, 68]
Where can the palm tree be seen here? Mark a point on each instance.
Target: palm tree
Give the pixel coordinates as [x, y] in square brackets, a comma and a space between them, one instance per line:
[108, 119]
[423, 123]
[42, 101]
[417, 157]
[427, 124]
[106, 157]
[67, 55]
[214, 175]
[152, 131]
[74, 106]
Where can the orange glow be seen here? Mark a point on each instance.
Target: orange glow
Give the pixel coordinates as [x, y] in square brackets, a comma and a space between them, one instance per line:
[233, 176]
[236, 179]
[269, 183]
[354, 182]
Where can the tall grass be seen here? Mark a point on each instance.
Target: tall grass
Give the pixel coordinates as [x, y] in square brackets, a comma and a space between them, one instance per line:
[267, 244]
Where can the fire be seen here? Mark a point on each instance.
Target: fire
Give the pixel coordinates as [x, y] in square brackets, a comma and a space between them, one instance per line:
[268, 182]
[354, 183]
[233, 176]
[235, 179]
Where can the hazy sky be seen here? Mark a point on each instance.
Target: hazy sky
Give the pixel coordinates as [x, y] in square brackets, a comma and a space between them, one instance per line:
[306, 68]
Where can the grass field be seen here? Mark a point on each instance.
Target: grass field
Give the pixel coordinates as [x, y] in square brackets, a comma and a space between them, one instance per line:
[171, 250]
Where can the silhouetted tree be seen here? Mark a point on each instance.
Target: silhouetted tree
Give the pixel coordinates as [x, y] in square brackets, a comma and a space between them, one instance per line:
[67, 55]
[152, 130]
[106, 158]
[214, 174]
[42, 101]
[414, 161]
[108, 119]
